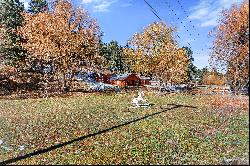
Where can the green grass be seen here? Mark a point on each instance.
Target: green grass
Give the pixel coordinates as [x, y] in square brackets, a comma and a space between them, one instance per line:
[178, 136]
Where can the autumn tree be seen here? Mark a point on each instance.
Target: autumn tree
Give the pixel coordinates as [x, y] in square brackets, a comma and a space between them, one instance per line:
[231, 45]
[10, 19]
[36, 6]
[155, 52]
[66, 39]
[213, 78]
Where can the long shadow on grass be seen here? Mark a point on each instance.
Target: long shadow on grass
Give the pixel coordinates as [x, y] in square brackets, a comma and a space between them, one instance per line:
[41, 151]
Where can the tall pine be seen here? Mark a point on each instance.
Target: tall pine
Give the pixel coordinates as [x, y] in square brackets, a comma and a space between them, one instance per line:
[37, 6]
[10, 19]
[192, 69]
[113, 55]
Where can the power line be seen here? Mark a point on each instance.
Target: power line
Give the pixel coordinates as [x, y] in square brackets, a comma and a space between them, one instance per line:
[185, 26]
[187, 15]
[192, 25]
[156, 14]
[153, 10]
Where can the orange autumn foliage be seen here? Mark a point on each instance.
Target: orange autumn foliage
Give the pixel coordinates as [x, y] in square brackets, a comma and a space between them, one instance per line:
[231, 45]
[213, 78]
[65, 37]
[155, 52]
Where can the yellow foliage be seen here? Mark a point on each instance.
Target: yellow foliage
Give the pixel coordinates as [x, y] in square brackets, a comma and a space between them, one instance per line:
[211, 78]
[65, 37]
[155, 52]
[231, 44]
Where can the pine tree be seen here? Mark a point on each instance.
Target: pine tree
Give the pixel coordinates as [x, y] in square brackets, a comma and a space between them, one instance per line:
[10, 19]
[192, 69]
[113, 54]
[36, 6]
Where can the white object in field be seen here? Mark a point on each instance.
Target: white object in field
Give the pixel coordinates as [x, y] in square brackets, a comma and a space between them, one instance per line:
[1, 141]
[21, 147]
[136, 101]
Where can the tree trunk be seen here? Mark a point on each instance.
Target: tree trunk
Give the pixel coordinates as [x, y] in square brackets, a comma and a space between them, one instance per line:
[64, 86]
[61, 82]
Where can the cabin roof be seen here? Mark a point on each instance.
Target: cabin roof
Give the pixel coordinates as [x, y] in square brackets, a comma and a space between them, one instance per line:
[121, 76]
[144, 78]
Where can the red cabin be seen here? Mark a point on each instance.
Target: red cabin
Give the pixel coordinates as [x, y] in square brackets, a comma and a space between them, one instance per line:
[124, 80]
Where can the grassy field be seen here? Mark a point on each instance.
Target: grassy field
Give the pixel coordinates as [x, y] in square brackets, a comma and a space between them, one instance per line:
[178, 129]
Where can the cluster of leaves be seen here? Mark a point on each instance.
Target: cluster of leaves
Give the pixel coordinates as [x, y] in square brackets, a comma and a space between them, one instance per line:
[231, 45]
[154, 52]
[65, 32]
[179, 136]
[213, 78]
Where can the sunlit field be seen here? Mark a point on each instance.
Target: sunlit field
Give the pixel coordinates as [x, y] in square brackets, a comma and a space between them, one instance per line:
[177, 129]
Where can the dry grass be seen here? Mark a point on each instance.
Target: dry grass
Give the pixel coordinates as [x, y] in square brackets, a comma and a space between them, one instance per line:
[180, 136]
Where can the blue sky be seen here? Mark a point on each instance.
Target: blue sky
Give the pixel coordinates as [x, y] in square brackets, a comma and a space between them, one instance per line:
[120, 19]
